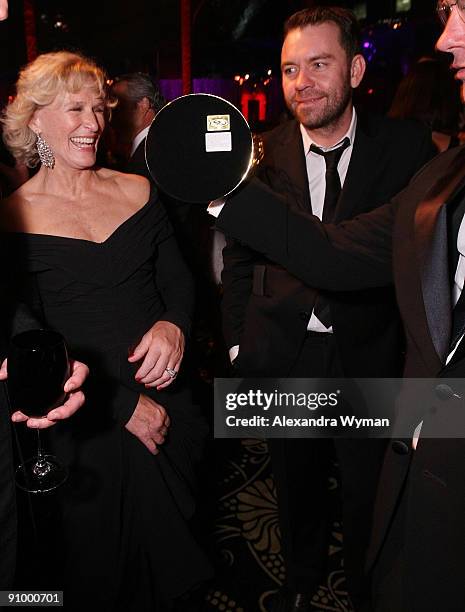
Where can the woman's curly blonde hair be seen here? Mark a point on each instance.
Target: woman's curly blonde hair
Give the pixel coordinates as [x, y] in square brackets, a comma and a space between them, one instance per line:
[38, 85]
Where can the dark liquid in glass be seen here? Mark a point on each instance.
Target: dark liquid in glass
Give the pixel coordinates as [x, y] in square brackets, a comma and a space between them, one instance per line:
[37, 370]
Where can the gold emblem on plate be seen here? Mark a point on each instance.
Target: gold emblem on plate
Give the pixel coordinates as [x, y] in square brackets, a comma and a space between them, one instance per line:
[218, 123]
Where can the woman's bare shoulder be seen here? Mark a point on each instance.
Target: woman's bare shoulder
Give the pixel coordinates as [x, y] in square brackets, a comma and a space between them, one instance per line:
[134, 188]
[16, 208]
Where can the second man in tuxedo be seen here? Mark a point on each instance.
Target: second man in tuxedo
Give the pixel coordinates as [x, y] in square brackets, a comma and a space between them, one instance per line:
[335, 164]
[139, 100]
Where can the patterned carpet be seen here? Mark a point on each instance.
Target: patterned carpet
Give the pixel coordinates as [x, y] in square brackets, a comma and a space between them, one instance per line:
[245, 542]
[238, 506]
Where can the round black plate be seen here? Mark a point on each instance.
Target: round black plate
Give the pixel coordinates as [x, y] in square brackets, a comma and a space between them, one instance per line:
[176, 148]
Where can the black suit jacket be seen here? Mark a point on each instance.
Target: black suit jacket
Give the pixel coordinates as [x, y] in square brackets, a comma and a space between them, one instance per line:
[266, 309]
[137, 164]
[406, 239]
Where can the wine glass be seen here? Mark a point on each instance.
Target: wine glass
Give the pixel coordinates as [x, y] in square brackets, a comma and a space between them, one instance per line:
[38, 368]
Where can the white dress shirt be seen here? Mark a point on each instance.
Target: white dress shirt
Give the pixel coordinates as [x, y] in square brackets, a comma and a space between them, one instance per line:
[316, 173]
[138, 139]
[459, 277]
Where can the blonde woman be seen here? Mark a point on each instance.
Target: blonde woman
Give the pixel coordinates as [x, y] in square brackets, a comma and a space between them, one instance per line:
[105, 271]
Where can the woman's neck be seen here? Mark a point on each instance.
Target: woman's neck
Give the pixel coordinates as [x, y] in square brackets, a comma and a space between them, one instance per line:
[69, 181]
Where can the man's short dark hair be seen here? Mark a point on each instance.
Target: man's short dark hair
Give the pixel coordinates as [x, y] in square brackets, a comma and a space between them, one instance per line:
[349, 30]
[141, 85]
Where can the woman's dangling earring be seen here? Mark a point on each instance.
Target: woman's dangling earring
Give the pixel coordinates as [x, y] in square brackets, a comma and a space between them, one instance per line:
[45, 152]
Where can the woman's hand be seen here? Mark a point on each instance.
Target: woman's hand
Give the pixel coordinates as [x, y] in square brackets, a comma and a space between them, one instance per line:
[149, 423]
[3, 9]
[162, 350]
[79, 372]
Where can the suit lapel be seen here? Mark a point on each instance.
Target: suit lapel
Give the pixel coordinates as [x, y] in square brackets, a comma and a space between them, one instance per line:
[363, 167]
[137, 163]
[289, 157]
[431, 248]
[432, 252]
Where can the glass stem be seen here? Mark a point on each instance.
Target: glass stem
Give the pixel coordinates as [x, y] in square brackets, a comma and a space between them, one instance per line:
[41, 467]
[40, 454]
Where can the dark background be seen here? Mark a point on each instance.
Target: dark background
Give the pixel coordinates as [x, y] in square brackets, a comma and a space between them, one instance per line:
[229, 37]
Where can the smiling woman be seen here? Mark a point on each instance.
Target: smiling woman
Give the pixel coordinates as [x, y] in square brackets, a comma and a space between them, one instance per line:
[52, 82]
[107, 274]
[75, 131]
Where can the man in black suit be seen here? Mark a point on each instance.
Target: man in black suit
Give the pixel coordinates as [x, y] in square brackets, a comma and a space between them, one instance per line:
[275, 325]
[416, 549]
[139, 100]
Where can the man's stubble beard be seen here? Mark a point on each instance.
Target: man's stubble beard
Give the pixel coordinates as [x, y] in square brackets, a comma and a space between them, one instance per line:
[329, 115]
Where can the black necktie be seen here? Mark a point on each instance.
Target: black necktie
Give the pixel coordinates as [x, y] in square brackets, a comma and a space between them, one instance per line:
[332, 193]
[333, 182]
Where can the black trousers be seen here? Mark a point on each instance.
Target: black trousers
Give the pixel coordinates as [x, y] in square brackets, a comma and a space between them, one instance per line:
[390, 570]
[301, 470]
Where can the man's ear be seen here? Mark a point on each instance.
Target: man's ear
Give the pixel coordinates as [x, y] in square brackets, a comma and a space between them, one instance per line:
[144, 105]
[357, 70]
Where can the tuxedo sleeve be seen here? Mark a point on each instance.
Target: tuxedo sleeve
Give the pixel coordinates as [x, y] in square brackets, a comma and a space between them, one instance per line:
[353, 255]
[236, 277]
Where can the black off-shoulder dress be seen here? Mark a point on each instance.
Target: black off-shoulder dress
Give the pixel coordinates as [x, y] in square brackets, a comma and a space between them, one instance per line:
[124, 532]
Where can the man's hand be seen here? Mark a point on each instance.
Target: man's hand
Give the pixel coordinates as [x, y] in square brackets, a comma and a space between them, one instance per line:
[79, 372]
[3, 9]
[149, 423]
[162, 350]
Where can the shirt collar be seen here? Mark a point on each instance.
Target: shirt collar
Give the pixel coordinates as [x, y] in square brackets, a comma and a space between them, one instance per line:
[350, 134]
[139, 138]
[461, 238]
